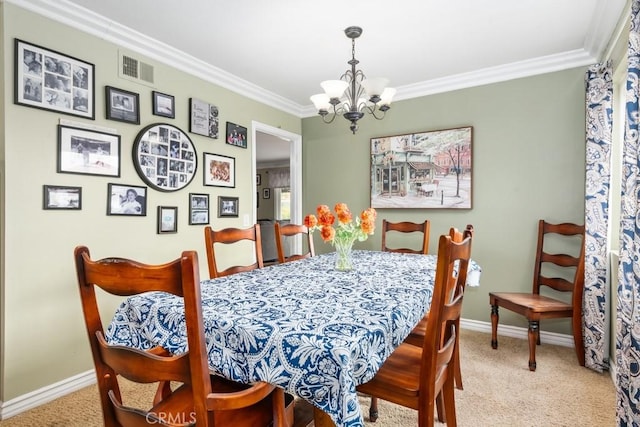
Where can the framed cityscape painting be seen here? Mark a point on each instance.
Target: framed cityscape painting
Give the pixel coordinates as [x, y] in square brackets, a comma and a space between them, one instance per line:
[425, 170]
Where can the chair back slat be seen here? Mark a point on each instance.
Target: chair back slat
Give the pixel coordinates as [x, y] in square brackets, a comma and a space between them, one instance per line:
[406, 227]
[229, 236]
[287, 231]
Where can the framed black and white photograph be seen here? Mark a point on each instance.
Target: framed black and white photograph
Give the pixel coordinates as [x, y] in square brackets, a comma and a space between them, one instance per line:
[88, 152]
[167, 219]
[204, 118]
[266, 193]
[236, 135]
[163, 105]
[126, 200]
[258, 180]
[219, 171]
[61, 197]
[164, 157]
[198, 209]
[122, 105]
[227, 206]
[53, 81]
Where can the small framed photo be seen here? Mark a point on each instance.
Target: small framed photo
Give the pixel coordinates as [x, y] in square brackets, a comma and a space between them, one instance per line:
[129, 200]
[122, 105]
[59, 197]
[167, 219]
[88, 152]
[227, 206]
[236, 135]
[258, 179]
[53, 81]
[198, 209]
[163, 105]
[266, 193]
[219, 171]
[204, 118]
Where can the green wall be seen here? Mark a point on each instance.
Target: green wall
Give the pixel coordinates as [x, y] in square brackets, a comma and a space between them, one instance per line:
[528, 163]
[44, 337]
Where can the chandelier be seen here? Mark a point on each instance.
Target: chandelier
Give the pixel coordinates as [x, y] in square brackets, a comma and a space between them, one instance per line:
[353, 94]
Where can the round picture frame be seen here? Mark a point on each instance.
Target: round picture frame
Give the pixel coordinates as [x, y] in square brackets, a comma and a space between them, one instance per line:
[164, 157]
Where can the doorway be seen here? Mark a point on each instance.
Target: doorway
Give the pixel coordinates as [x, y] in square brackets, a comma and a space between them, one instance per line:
[295, 169]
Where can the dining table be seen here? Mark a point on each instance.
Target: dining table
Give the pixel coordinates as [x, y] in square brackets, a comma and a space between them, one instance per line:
[304, 326]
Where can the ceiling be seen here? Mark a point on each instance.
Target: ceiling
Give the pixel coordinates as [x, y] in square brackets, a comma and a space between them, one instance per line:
[278, 51]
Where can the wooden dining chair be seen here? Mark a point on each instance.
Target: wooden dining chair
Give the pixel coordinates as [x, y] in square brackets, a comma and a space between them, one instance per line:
[417, 334]
[289, 230]
[406, 227]
[200, 397]
[415, 376]
[534, 305]
[228, 236]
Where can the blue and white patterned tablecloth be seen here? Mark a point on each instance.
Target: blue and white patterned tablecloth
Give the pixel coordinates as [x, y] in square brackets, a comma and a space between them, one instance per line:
[314, 331]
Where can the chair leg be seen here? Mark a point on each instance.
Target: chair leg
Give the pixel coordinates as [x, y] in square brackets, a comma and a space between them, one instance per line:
[373, 409]
[494, 326]
[534, 334]
[442, 415]
[449, 402]
[578, 338]
[456, 364]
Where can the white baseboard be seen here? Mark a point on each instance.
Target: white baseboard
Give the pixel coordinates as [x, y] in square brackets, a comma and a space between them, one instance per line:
[517, 332]
[47, 394]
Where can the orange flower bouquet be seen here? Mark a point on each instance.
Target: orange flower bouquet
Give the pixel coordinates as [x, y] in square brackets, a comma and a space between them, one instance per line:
[345, 233]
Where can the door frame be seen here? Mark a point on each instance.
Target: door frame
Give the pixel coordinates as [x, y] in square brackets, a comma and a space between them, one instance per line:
[295, 171]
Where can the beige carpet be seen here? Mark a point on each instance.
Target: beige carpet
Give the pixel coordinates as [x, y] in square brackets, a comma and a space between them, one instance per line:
[499, 390]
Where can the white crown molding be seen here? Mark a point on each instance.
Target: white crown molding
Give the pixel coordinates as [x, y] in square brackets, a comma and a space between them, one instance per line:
[77, 17]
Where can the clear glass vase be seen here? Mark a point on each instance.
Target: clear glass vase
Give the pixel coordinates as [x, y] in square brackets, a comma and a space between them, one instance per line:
[344, 260]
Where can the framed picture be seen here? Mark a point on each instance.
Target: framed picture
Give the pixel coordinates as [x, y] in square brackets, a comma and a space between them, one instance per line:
[204, 118]
[163, 105]
[59, 197]
[227, 206]
[219, 171]
[164, 157]
[129, 200]
[167, 219]
[425, 170]
[88, 152]
[53, 81]
[258, 180]
[266, 193]
[198, 209]
[236, 135]
[122, 105]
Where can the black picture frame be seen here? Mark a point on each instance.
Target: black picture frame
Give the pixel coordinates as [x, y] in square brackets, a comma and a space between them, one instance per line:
[198, 209]
[258, 180]
[164, 105]
[167, 219]
[266, 193]
[122, 105]
[236, 135]
[203, 118]
[58, 197]
[88, 152]
[53, 81]
[120, 203]
[228, 206]
[164, 157]
[219, 170]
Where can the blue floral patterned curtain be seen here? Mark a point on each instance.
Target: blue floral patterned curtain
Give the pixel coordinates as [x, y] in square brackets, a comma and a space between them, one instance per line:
[627, 354]
[599, 93]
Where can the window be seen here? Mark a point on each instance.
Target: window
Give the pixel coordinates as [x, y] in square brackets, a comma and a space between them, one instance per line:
[282, 203]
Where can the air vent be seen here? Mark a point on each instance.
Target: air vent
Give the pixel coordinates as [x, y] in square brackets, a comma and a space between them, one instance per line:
[133, 69]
